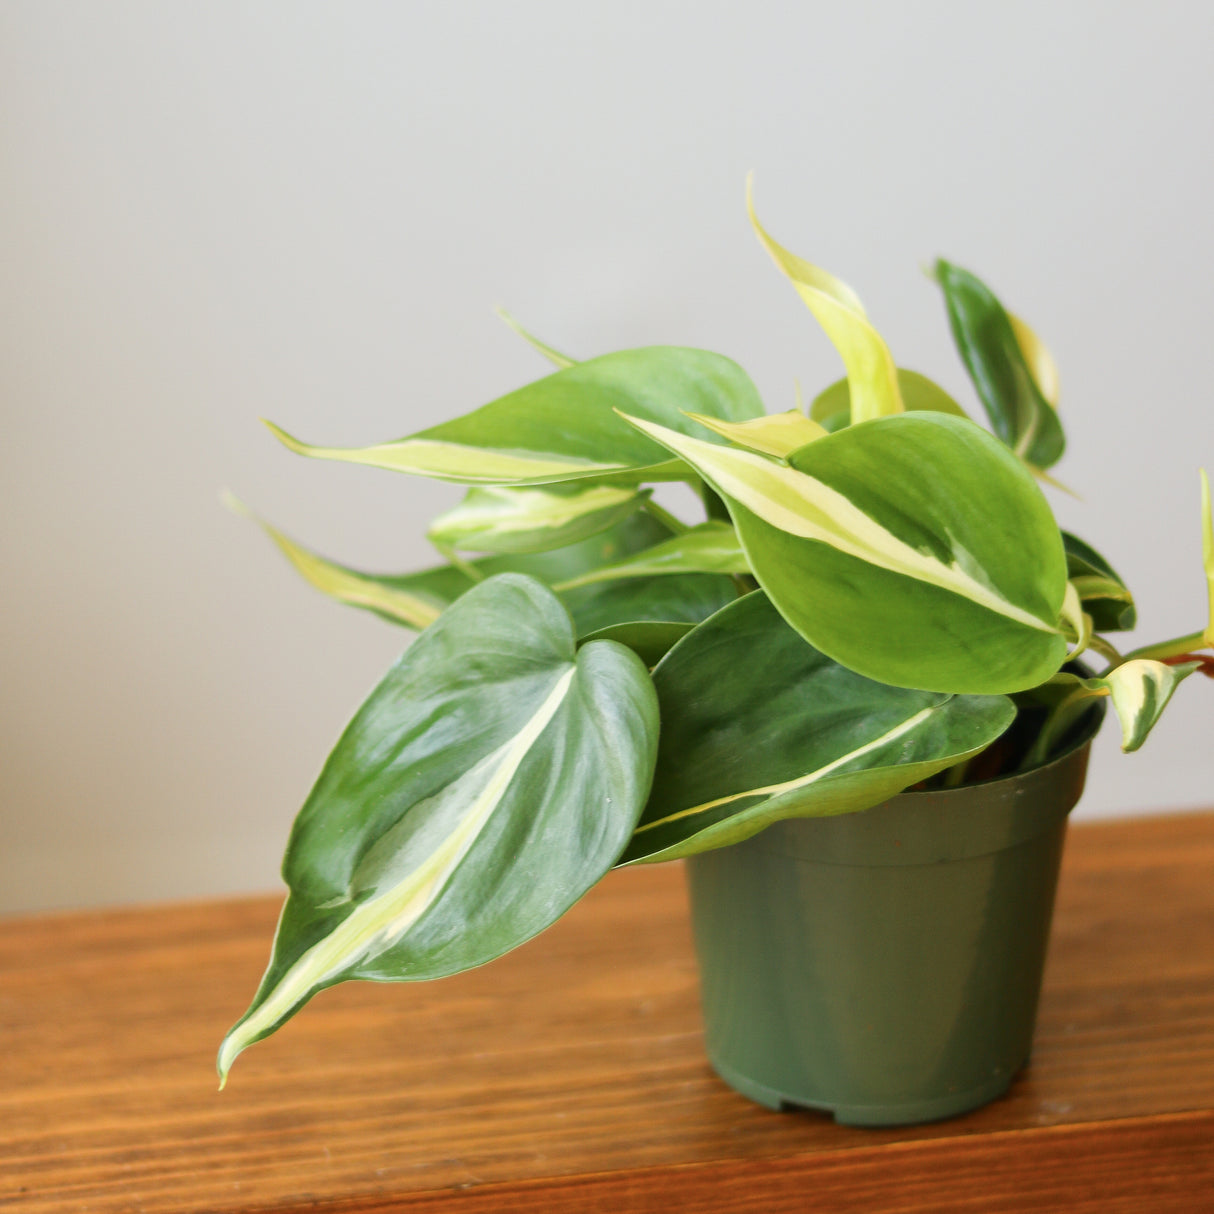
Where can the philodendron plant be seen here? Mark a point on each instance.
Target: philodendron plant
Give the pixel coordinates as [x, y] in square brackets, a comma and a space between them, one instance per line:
[878, 597]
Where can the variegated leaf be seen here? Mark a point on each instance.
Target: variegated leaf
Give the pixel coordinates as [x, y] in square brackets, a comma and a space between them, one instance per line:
[567, 427]
[496, 518]
[1019, 412]
[758, 726]
[914, 549]
[1037, 358]
[832, 406]
[1104, 595]
[417, 599]
[489, 781]
[837, 308]
[555, 357]
[1139, 689]
[711, 547]
[778, 434]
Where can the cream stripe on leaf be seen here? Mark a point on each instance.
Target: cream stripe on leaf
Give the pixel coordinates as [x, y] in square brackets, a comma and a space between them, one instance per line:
[497, 518]
[490, 780]
[565, 427]
[913, 549]
[711, 547]
[1139, 689]
[837, 308]
[779, 434]
[758, 726]
[646, 613]
[1003, 370]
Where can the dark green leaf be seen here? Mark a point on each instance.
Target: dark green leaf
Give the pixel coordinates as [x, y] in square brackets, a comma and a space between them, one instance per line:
[757, 725]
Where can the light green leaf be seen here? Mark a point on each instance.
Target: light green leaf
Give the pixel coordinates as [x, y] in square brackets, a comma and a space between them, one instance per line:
[758, 726]
[832, 406]
[837, 308]
[553, 356]
[499, 519]
[417, 599]
[1103, 594]
[393, 598]
[1019, 412]
[914, 549]
[567, 426]
[711, 547]
[778, 434]
[489, 781]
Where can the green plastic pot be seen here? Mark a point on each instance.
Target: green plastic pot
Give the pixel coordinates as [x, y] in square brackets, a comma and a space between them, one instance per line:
[885, 966]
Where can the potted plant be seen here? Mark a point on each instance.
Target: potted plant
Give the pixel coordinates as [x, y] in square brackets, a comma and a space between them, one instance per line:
[878, 599]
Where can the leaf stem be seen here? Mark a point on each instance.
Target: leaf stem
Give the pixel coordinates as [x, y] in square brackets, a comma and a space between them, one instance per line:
[1106, 650]
[1170, 649]
[676, 526]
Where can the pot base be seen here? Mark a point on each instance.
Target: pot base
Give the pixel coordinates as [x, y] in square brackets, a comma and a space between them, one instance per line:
[870, 1116]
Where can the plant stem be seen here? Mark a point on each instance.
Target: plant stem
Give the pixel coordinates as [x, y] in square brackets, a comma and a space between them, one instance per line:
[452, 557]
[1099, 645]
[1170, 649]
[676, 526]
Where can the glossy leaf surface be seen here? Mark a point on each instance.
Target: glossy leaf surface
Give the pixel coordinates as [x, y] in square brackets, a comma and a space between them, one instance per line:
[534, 519]
[757, 726]
[1018, 410]
[489, 781]
[837, 308]
[1104, 595]
[1140, 690]
[831, 408]
[567, 425]
[418, 599]
[711, 547]
[914, 549]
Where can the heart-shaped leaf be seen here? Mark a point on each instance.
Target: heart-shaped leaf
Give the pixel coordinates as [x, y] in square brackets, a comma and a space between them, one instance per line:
[913, 549]
[1019, 412]
[489, 781]
[566, 426]
[757, 726]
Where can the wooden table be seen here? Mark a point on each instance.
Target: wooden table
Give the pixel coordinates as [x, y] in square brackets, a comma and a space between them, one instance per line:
[569, 1075]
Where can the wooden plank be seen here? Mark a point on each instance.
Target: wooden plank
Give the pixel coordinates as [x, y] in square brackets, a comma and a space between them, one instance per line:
[570, 1074]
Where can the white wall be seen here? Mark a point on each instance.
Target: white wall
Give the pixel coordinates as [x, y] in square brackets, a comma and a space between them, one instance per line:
[215, 211]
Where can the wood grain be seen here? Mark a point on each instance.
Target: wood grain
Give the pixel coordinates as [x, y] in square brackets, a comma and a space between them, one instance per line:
[569, 1075]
